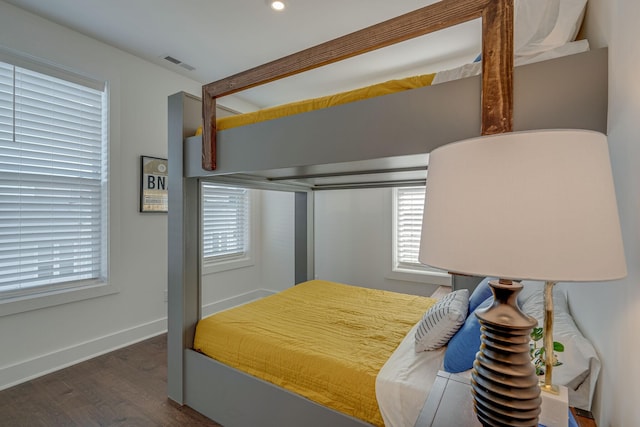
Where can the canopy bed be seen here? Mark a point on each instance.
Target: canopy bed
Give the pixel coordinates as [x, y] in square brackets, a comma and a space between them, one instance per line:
[341, 147]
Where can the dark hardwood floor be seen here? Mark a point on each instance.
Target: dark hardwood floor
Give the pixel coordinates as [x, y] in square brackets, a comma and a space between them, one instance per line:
[127, 387]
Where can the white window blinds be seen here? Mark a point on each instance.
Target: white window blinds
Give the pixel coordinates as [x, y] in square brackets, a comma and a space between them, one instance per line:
[225, 213]
[409, 207]
[53, 183]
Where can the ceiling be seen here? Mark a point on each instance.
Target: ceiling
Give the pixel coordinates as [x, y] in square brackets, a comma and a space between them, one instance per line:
[222, 37]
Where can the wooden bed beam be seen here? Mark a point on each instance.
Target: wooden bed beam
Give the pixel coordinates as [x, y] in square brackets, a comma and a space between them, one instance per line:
[423, 21]
[497, 34]
[497, 67]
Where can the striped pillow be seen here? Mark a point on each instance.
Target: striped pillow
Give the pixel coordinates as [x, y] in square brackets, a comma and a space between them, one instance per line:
[442, 320]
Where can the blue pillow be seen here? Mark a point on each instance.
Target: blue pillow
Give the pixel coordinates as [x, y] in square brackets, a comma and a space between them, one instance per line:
[480, 294]
[463, 346]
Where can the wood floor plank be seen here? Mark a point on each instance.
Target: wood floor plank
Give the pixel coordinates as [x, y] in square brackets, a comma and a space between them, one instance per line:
[127, 387]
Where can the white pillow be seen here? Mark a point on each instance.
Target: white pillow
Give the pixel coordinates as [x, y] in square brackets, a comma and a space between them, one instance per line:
[541, 25]
[580, 363]
[442, 320]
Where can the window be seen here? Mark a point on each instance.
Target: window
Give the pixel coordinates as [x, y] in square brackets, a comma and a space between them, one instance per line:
[407, 230]
[53, 179]
[226, 227]
[409, 207]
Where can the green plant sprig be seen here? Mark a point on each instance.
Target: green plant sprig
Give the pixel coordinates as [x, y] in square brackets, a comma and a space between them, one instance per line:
[537, 353]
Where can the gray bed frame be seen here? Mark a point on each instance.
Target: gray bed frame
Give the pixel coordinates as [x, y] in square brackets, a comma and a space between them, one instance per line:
[337, 147]
[341, 147]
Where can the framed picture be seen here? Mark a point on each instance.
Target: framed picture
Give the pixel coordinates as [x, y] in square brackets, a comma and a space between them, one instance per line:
[154, 195]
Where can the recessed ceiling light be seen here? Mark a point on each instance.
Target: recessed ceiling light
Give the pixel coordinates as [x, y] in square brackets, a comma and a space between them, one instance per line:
[277, 5]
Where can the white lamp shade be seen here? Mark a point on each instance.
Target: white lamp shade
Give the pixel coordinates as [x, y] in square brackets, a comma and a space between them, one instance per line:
[534, 205]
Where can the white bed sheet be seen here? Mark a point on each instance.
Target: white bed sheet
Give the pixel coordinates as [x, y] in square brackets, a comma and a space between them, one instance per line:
[474, 68]
[404, 382]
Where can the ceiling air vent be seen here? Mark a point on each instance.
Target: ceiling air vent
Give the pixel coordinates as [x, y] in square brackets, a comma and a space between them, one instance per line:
[178, 62]
[172, 59]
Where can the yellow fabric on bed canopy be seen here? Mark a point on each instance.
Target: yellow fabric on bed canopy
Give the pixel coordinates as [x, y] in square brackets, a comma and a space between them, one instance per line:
[379, 89]
[323, 340]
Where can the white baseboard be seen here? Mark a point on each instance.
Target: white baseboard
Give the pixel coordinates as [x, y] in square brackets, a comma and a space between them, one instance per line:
[23, 371]
[14, 374]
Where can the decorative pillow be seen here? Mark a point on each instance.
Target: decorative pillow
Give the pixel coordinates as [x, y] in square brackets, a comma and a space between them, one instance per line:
[442, 320]
[463, 346]
[480, 294]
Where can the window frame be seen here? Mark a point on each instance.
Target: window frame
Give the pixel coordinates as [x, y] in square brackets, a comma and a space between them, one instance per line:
[48, 295]
[405, 271]
[211, 265]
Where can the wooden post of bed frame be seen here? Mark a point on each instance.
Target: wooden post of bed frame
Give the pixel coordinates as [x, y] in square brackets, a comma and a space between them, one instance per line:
[209, 130]
[497, 51]
[497, 67]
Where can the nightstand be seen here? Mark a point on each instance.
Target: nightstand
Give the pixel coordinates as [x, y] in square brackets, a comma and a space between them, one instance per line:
[450, 404]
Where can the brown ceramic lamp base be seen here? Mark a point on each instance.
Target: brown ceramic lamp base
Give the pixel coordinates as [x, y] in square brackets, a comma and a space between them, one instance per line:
[504, 382]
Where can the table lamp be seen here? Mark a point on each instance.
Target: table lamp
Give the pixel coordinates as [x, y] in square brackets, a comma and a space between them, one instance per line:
[537, 205]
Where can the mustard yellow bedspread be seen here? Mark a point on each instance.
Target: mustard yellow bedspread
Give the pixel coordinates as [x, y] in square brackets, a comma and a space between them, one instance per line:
[385, 88]
[323, 340]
